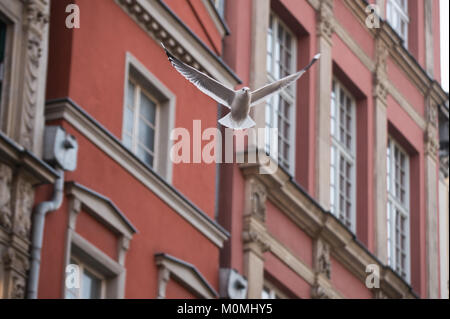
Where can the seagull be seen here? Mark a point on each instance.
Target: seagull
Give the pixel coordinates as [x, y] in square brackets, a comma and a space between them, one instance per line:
[240, 101]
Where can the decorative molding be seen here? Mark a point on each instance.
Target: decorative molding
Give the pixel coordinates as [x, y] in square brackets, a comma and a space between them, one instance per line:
[432, 114]
[14, 260]
[215, 17]
[309, 216]
[15, 265]
[354, 46]
[16, 157]
[326, 22]
[102, 208]
[399, 54]
[380, 91]
[24, 199]
[20, 170]
[18, 287]
[256, 207]
[106, 142]
[321, 258]
[164, 26]
[318, 292]
[163, 279]
[407, 107]
[5, 196]
[322, 269]
[249, 237]
[431, 136]
[104, 211]
[184, 273]
[113, 272]
[35, 21]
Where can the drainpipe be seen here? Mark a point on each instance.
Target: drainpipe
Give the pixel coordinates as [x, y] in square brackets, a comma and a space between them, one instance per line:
[60, 150]
[38, 233]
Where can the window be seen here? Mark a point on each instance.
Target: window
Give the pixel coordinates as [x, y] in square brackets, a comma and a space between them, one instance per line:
[99, 275]
[397, 16]
[91, 285]
[280, 108]
[342, 162]
[140, 123]
[398, 209]
[271, 292]
[2, 57]
[220, 7]
[148, 117]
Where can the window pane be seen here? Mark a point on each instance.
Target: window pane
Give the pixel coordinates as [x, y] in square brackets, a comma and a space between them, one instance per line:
[130, 95]
[90, 286]
[146, 135]
[127, 141]
[129, 118]
[280, 62]
[147, 109]
[145, 156]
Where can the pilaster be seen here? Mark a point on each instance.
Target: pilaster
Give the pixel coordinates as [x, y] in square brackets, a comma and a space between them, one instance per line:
[325, 29]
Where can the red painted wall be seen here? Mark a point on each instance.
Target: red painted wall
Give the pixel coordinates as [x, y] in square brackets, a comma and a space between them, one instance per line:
[288, 233]
[292, 284]
[88, 65]
[160, 228]
[194, 14]
[96, 233]
[347, 67]
[410, 136]
[346, 282]
[176, 291]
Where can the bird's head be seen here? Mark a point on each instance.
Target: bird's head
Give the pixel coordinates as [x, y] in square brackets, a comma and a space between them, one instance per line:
[245, 90]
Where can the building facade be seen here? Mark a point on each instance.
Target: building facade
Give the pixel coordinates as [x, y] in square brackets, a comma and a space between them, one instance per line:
[357, 208]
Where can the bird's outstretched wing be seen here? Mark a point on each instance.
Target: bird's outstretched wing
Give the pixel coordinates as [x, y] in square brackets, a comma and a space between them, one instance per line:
[204, 83]
[266, 91]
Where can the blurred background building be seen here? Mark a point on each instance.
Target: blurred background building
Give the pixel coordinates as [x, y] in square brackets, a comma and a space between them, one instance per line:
[362, 151]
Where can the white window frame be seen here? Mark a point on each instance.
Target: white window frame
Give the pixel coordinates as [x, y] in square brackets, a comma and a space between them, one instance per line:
[220, 7]
[165, 115]
[288, 94]
[138, 90]
[394, 205]
[82, 267]
[396, 12]
[112, 270]
[338, 150]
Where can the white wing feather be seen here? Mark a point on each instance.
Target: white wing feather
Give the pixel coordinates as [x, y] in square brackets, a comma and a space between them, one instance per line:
[270, 89]
[203, 82]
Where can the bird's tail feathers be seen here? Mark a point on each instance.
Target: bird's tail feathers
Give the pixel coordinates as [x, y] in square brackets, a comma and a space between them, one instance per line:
[227, 121]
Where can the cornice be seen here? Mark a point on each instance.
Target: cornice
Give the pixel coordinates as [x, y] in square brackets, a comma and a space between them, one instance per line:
[400, 54]
[217, 19]
[162, 24]
[15, 155]
[309, 216]
[66, 109]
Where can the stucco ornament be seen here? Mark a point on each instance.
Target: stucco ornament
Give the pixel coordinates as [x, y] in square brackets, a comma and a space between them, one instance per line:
[322, 258]
[258, 200]
[25, 205]
[5, 196]
[240, 101]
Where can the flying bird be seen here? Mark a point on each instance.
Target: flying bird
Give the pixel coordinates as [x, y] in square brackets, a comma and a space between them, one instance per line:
[239, 101]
